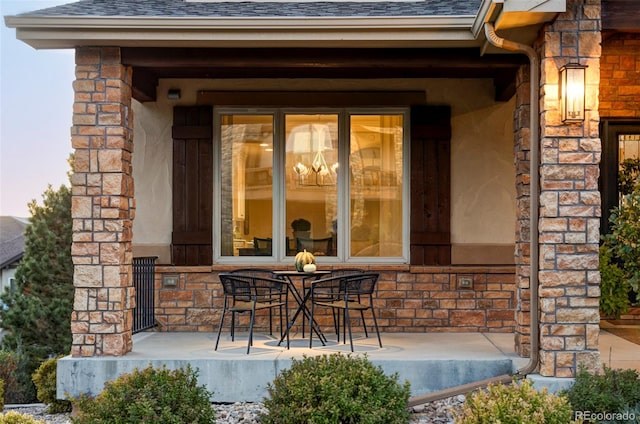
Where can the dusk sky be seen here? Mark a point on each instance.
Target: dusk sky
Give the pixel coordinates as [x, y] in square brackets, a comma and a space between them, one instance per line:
[36, 104]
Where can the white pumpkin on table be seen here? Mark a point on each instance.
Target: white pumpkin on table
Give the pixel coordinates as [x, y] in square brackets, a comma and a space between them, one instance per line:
[304, 258]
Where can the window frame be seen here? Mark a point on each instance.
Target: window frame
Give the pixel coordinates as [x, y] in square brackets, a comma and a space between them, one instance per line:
[609, 164]
[279, 226]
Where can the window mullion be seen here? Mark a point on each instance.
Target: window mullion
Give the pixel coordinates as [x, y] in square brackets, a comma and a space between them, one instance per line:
[279, 250]
[343, 187]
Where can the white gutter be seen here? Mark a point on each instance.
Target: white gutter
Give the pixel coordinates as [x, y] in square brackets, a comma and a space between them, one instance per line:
[71, 31]
[534, 358]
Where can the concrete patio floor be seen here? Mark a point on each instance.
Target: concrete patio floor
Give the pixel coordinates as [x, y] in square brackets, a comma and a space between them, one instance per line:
[430, 362]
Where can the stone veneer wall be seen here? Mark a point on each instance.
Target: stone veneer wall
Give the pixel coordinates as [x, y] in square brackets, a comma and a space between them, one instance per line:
[619, 76]
[523, 206]
[102, 204]
[408, 299]
[570, 200]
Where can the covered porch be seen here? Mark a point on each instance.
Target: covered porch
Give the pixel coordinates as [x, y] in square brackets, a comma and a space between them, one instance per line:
[430, 361]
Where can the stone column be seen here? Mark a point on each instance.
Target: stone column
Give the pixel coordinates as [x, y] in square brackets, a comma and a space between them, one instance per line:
[102, 204]
[569, 200]
[523, 207]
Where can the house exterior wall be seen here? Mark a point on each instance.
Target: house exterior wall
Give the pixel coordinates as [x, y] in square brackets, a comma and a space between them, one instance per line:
[6, 275]
[408, 299]
[619, 76]
[482, 186]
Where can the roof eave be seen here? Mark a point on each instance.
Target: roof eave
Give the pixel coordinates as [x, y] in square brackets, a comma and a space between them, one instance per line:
[12, 260]
[517, 20]
[71, 32]
[61, 32]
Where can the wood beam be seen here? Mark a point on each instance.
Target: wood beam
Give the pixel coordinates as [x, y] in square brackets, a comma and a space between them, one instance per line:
[463, 59]
[621, 15]
[312, 98]
[151, 64]
[144, 83]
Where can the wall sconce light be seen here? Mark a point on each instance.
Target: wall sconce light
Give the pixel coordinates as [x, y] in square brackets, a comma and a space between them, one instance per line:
[572, 88]
[173, 94]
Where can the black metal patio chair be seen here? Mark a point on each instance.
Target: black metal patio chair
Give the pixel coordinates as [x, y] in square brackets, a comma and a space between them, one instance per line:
[259, 272]
[306, 281]
[345, 293]
[251, 293]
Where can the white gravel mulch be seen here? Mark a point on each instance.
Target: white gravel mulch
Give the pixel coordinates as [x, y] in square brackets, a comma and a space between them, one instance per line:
[440, 412]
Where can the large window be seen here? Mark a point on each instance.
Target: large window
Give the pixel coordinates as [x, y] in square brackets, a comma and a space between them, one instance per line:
[331, 182]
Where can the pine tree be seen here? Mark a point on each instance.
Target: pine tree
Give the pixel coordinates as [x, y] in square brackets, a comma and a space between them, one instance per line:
[37, 316]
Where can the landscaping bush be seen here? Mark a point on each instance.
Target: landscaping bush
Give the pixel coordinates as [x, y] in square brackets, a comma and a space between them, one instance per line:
[336, 389]
[45, 380]
[614, 287]
[624, 240]
[18, 388]
[153, 395]
[1, 394]
[13, 417]
[610, 391]
[516, 403]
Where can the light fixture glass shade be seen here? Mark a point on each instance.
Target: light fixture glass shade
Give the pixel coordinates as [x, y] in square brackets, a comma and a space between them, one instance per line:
[572, 87]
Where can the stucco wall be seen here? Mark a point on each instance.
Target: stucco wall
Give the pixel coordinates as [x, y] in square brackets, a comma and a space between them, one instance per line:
[483, 188]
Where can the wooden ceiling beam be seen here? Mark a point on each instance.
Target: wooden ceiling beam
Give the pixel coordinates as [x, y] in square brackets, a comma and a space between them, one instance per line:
[621, 15]
[316, 58]
[143, 85]
[151, 64]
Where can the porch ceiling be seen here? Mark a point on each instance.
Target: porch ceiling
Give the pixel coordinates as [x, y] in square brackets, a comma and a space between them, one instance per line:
[151, 64]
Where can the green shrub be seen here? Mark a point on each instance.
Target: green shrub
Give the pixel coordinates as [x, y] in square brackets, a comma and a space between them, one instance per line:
[624, 239]
[516, 403]
[13, 417]
[1, 394]
[45, 380]
[336, 389]
[609, 391]
[614, 288]
[8, 367]
[17, 387]
[628, 175]
[153, 395]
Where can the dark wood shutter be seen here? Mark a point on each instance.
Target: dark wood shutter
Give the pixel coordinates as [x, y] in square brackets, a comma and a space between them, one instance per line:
[430, 185]
[192, 185]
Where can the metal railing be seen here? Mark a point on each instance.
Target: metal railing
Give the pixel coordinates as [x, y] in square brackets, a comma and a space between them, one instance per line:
[144, 270]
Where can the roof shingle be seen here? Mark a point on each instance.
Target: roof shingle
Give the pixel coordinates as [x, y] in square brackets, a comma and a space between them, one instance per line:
[11, 239]
[181, 8]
